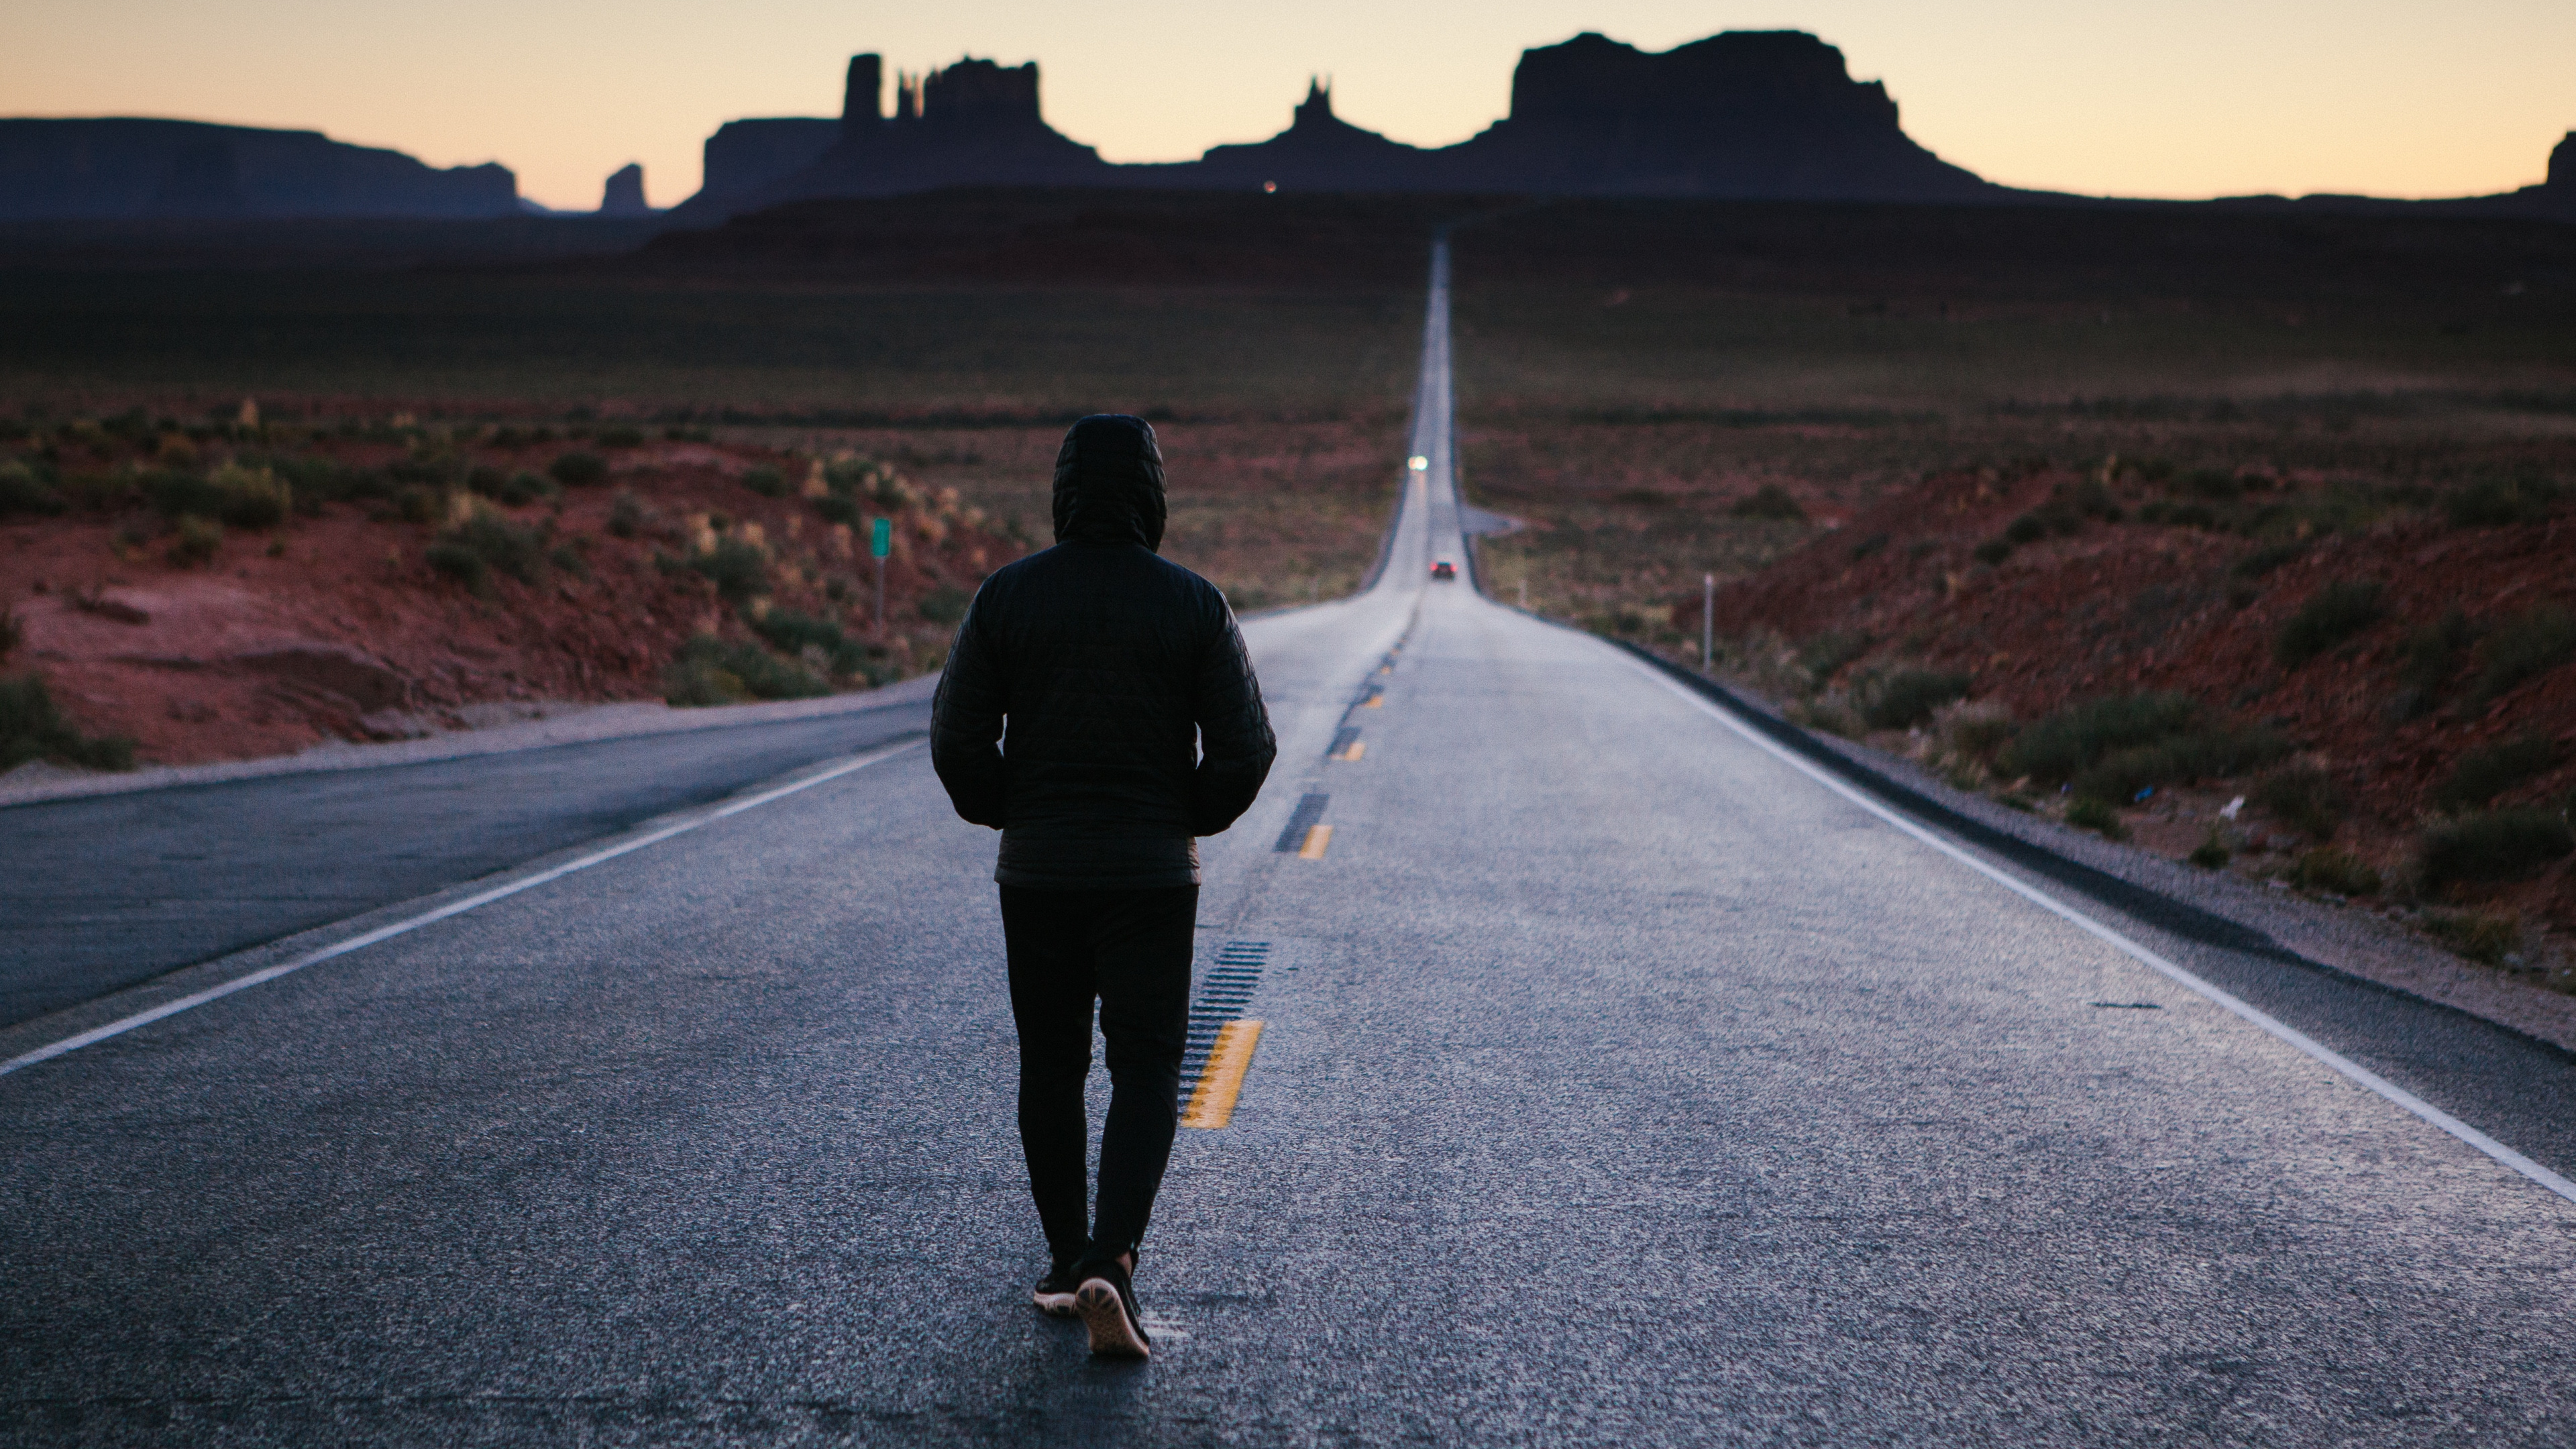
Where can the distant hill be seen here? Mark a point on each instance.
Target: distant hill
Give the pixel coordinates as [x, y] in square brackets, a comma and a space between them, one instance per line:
[120, 167]
[1770, 115]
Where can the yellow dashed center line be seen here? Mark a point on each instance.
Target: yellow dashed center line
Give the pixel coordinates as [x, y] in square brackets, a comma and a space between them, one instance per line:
[1374, 701]
[1221, 1080]
[1353, 753]
[1317, 837]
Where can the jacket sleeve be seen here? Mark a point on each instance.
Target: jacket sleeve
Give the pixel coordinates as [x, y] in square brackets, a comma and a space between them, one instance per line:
[966, 723]
[1235, 743]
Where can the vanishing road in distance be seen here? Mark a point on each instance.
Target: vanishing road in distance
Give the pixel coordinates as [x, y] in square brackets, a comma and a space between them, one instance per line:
[1623, 1077]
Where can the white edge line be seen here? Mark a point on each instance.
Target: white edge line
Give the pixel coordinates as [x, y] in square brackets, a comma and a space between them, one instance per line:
[2246, 1010]
[408, 924]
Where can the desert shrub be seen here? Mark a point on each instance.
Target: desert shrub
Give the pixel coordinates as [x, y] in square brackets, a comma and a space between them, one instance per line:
[12, 633]
[21, 491]
[767, 482]
[487, 543]
[2339, 871]
[2029, 528]
[709, 670]
[833, 508]
[317, 481]
[569, 558]
[2179, 515]
[2523, 647]
[251, 497]
[2259, 561]
[1824, 655]
[1867, 546]
[415, 505]
[2499, 502]
[431, 471]
[2198, 754]
[2215, 484]
[620, 437]
[460, 563]
[2481, 775]
[740, 571]
[31, 728]
[579, 470]
[1830, 714]
[1992, 552]
[2487, 939]
[2425, 663]
[2302, 797]
[945, 604]
[628, 516]
[2500, 845]
[194, 541]
[820, 642]
[2212, 852]
[890, 492]
[510, 490]
[1907, 698]
[1770, 501]
[2055, 747]
[2330, 616]
[790, 632]
[2098, 816]
[2067, 508]
[175, 494]
[1974, 730]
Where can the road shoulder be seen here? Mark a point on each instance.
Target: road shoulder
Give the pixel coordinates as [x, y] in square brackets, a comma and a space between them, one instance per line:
[577, 724]
[2351, 942]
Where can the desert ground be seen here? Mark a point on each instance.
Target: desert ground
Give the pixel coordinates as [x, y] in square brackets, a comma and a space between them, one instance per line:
[2118, 517]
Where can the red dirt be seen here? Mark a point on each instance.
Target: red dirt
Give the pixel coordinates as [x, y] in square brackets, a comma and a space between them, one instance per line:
[2121, 608]
[336, 627]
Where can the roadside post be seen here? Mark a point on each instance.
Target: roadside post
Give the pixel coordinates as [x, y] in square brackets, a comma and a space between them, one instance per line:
[1707, 622]
[881, 543]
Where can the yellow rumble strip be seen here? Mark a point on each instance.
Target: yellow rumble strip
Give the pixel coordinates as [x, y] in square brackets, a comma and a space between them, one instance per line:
[1212, 1105]
[1317, 837]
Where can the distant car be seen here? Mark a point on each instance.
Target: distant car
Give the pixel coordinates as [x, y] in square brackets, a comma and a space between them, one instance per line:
[1443, 569]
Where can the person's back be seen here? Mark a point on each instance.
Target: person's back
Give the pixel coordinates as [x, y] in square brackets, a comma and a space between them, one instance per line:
[1133, 724]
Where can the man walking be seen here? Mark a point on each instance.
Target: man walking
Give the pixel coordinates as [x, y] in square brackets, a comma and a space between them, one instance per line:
[1108, 666]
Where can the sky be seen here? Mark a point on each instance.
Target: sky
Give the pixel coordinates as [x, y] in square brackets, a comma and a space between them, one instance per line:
[2165, 98]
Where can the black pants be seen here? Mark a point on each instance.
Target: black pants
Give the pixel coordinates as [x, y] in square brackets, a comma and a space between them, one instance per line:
[1130, 951]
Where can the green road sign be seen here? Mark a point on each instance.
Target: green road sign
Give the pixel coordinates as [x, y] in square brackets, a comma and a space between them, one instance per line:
[881, 538]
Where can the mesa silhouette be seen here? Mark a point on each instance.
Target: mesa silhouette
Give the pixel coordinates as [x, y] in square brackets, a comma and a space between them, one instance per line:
[128, 167]
[1750, 114]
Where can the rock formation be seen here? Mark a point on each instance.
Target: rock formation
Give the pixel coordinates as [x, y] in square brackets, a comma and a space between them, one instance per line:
[1771, 114]
[1750, 115]
[975, 123]
[625, 193]
[1318, 152]
[744, 158]
[132, 167]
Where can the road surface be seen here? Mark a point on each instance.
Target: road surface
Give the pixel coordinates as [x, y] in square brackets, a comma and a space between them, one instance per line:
[1619, 1082]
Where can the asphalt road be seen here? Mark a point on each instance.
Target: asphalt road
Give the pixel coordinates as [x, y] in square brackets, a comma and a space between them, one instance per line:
[104, 892]
[1619, 1084]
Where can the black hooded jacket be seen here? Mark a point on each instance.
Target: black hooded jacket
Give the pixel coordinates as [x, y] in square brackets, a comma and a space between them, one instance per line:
[1134, 720]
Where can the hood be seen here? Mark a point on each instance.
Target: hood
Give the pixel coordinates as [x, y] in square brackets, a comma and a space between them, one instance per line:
[1109, 483]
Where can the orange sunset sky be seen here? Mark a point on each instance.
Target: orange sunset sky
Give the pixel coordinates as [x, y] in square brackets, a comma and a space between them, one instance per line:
[2146, 99]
